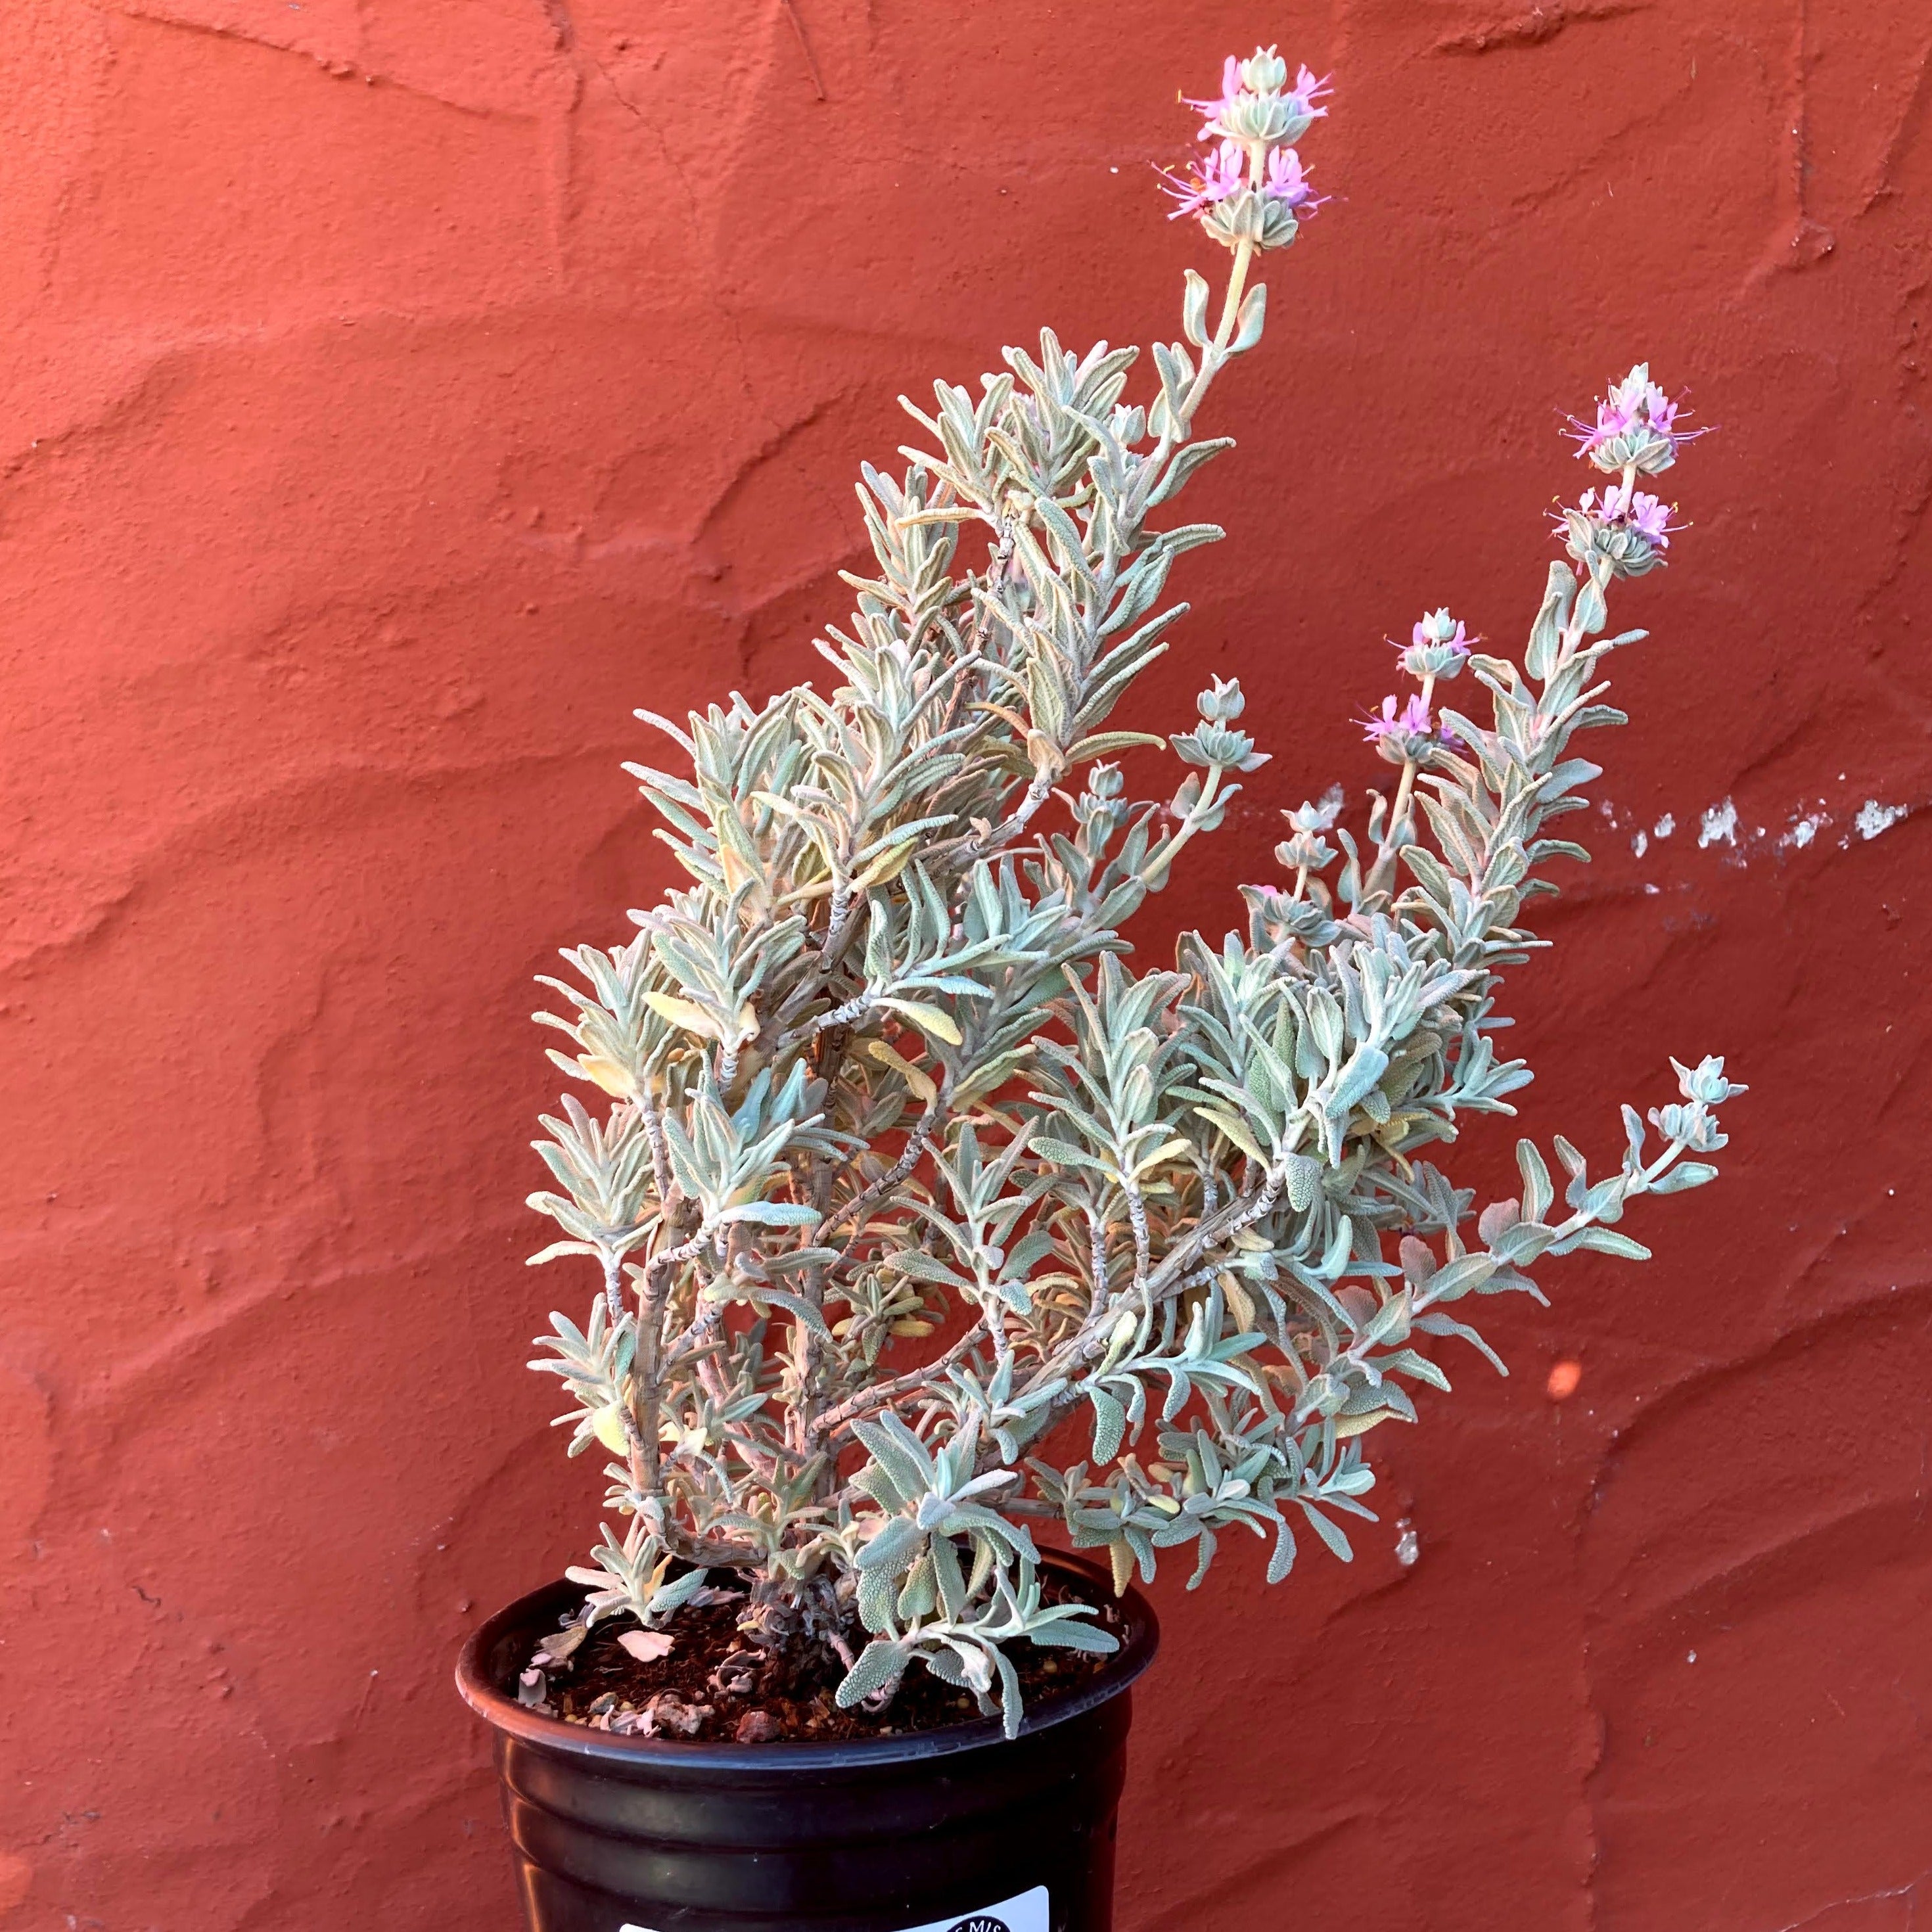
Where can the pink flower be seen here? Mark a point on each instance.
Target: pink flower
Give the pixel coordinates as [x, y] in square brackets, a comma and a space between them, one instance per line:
[1660, 408]
[1650, 519]
[1231, 91]
[1434, 629]
[1220, 174]
[1256, 105]
[1308, 91]
[1626, 529]
[1628, 508]
[1412, 721]
[1635, 426]
[1287, 182]
[1611, 423]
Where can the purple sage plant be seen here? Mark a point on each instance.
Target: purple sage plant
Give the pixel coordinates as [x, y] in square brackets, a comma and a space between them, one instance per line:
[923, 1221]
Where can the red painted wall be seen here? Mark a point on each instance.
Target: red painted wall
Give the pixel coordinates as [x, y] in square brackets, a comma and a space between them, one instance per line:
[398, 391]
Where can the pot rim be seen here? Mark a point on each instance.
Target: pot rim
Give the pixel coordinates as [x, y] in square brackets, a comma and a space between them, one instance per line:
[1138, 1644]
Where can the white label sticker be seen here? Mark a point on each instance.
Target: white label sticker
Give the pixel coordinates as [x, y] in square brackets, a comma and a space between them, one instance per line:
[1026, 1913]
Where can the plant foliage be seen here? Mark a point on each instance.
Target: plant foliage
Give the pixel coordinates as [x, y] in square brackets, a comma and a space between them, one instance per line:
[925, 1220]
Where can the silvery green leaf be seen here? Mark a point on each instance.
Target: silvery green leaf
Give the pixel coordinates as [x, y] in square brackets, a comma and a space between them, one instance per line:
[1067, 1633]
[679, 1591]
[1686, 1173]
[1281, 1558]
[1537, 1192]
[769, 1213]
[1253, 319]
[1304, 1175]
[1194, 309]
[881, 1662]
[1012, 1708]
[1443, 1325]
[1456, 1279]
[1329, 1532]
[878, 1598]
[1110, 1424]
[1606, 1241]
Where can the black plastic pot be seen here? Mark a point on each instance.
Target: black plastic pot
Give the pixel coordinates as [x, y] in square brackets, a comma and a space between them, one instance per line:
[961, 1830]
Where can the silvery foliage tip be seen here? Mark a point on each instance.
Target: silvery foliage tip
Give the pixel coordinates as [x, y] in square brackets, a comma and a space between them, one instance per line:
[902, 1174]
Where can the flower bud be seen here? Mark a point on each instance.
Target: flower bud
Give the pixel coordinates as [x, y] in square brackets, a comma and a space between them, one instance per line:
[1212, 744]
[1310, 817]
[1438, 647]
[1306, 848]
[1246, 216]
[1263, 71]
[1705, 1081]
[1261, 119]
[1222, 703]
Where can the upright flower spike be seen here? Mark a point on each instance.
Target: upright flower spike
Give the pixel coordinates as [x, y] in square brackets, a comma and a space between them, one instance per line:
[1253, 187]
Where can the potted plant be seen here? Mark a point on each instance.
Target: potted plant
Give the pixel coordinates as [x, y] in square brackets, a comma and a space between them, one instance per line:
[928, 1228]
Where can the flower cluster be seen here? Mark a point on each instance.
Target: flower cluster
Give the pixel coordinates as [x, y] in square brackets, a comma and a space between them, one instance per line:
[1636, 430]
[1213, 741]
[1408, 733]
[1623, 528]
[1307, 851]
[1439, 646]
[1693, 1124]
[1407, 736]
[1251, 186]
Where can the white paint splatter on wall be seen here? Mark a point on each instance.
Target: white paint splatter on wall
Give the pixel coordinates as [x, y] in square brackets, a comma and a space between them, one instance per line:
[1805, 826]
[1720, 827]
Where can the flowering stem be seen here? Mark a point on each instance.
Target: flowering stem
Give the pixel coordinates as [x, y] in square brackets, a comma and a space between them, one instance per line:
[1409, 767]
[1384, 865]
[1216, 352]
[1156, 866]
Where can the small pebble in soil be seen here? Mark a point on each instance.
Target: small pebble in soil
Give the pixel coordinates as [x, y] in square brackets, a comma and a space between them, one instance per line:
[756, 1727]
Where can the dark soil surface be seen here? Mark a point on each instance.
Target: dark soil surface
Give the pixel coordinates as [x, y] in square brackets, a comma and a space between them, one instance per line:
[713, 1688]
